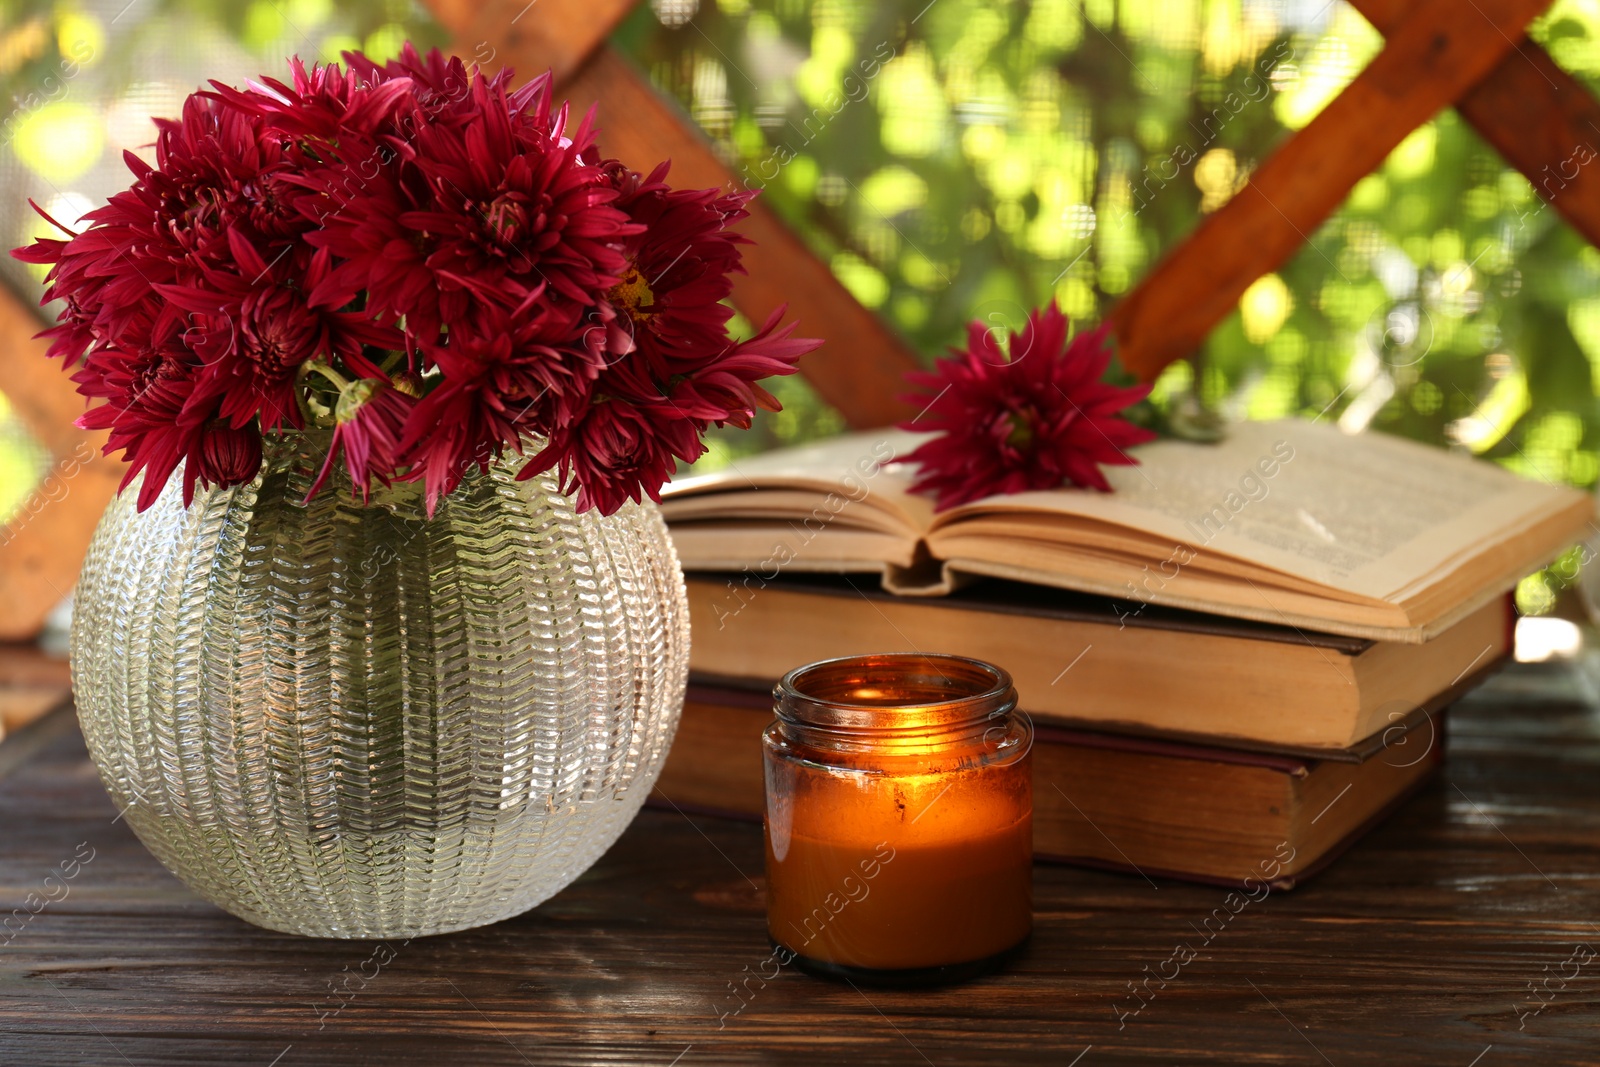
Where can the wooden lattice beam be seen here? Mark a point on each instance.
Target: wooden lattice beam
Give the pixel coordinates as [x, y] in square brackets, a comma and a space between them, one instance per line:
[530, 37]
[43, 545]
[1541, 120]
[1432, 58]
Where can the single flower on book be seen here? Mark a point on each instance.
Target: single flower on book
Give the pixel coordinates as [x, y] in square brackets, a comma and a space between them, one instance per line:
[1033, 413]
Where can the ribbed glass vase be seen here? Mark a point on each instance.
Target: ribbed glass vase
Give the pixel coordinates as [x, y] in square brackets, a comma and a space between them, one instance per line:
[354, 721]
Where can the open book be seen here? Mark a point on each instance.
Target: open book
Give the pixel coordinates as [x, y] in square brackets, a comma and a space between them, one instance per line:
[1286, 522]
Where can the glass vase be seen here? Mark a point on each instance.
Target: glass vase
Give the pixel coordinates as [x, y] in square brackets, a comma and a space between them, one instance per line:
[356, 721]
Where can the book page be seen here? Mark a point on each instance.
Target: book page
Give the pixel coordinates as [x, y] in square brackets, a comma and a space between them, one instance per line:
[765, 550]
[788, 506]
[855, 468]
[1371, 514]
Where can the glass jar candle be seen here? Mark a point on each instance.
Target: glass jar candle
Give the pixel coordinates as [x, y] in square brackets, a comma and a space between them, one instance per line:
[899, 818]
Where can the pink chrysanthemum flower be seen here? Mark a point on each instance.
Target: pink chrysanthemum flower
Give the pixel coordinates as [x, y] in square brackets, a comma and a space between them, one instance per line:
[511, 376]
[1032, 415]
[605, 452]
[469, 210]
[679, 269]
[369, 422]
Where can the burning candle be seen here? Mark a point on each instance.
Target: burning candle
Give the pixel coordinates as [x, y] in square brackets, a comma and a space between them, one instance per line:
[899, 818]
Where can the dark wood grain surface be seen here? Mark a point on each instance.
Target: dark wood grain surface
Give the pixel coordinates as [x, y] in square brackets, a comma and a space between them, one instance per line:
[1419, 947]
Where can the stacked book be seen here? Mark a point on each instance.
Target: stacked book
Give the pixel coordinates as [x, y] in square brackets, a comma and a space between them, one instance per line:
[1236, 662]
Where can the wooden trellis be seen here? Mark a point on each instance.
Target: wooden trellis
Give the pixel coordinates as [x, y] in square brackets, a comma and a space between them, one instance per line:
[1473, 55]
[42, 548]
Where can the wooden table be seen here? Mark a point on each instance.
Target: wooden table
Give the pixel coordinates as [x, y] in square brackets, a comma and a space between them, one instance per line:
[1418, 947]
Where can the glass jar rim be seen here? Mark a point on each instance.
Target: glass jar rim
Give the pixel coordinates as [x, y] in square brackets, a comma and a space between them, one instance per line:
[919, 690]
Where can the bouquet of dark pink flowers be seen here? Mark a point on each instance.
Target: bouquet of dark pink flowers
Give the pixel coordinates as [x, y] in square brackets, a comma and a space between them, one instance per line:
[421, 260]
